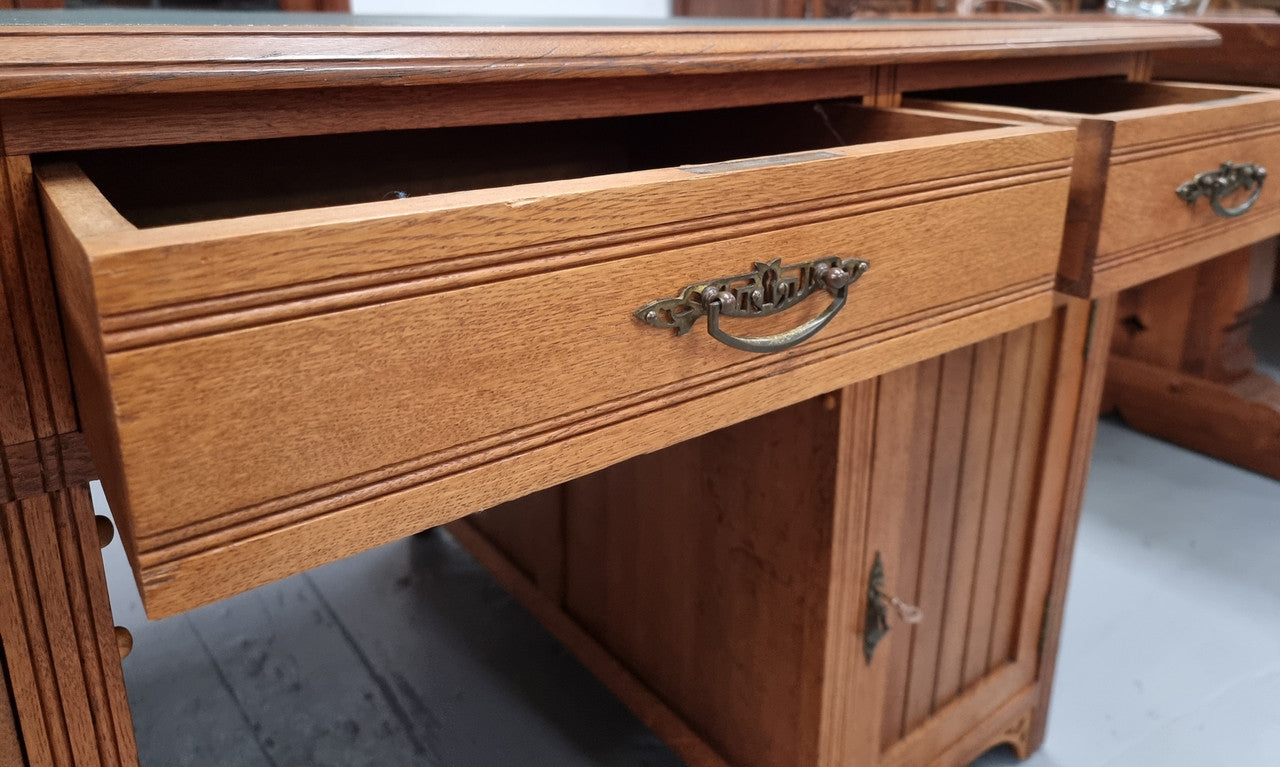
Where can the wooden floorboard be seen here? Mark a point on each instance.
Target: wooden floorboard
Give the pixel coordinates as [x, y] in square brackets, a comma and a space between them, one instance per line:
[413, 606]
[183, 713]
[406, 655]
[292, 667]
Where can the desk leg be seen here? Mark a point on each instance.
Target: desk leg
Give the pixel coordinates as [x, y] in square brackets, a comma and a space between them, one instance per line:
[62, 698]
[1181, 368]
[61, 662]
[1080, 454]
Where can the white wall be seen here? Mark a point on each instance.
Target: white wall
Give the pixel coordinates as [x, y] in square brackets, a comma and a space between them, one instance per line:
[561, 8]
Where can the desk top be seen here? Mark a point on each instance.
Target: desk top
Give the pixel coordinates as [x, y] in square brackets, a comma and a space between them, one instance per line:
[59, 53]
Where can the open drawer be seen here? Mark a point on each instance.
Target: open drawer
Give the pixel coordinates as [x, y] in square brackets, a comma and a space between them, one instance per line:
[1166, 174]
[290, 351]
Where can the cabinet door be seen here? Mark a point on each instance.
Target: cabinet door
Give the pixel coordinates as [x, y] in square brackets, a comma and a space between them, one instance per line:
[963, 503]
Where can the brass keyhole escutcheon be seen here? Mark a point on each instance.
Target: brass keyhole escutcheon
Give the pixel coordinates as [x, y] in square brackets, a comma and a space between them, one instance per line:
[878, 604]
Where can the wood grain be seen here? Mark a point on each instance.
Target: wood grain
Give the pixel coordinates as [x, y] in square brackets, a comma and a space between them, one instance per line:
[53, 61]
[958, 620]
[948, 440]
[60, 662]
[1138, 142]
[1134, 247]
[1245, 43]
[342, 424]
[894, 469]
[10, 739]
[1189, 333]
[59, 644]
[43, 466]
[964, 74]
[643, 583]
[24, 266]
[1008, 595]
[649, 707]
[666, 521]
[191, 264]
[1101, 320]
[846, 730]
[1012, 392]
[94, 122]
[530, 534]
[1238, 422]
[982, 654]
[558, 380]
[344, 527]
[27, 654]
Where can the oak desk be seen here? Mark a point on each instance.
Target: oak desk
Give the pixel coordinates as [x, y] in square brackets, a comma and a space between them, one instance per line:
[319, 287]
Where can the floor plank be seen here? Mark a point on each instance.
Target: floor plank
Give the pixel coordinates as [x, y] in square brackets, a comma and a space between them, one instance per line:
[409, 654]
[464, 655]
[301, 682]
[183, 712]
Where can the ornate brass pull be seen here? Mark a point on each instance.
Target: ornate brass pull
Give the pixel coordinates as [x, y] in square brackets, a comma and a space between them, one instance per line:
[1220, 183]
[878, 604]
[768, 290]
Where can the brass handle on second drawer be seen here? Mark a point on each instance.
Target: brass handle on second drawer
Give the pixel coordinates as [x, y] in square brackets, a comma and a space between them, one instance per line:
[1227, 179]
[878, 604]
[767, 290]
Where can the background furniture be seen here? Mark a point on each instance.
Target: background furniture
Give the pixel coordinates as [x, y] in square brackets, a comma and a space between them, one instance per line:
[837, 9]
[1182, 368]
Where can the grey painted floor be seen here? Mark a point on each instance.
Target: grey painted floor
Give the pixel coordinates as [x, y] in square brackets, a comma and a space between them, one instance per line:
[411, 655]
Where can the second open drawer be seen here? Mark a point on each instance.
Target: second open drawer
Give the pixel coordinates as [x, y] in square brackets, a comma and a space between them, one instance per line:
[291, 351]
[1166, 174]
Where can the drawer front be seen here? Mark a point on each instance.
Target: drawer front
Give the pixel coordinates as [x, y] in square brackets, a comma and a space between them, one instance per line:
[1147, 229]
[271, 403]
[1126, 222]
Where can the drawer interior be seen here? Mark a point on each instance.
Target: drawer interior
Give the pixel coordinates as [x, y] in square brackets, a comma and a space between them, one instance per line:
[1089, 96]
[159, 186]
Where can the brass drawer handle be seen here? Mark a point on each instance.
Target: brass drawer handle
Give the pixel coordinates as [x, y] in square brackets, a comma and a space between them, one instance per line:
[769, 289]
[878, 604]
[1220, 183]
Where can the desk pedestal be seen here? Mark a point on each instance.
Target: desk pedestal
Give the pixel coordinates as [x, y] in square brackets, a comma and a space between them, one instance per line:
[722, 586]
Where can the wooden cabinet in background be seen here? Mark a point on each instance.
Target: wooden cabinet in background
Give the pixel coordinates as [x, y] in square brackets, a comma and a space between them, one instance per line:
[1181, 367]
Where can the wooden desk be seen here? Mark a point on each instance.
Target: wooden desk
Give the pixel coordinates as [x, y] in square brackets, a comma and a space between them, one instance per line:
[271, 380]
